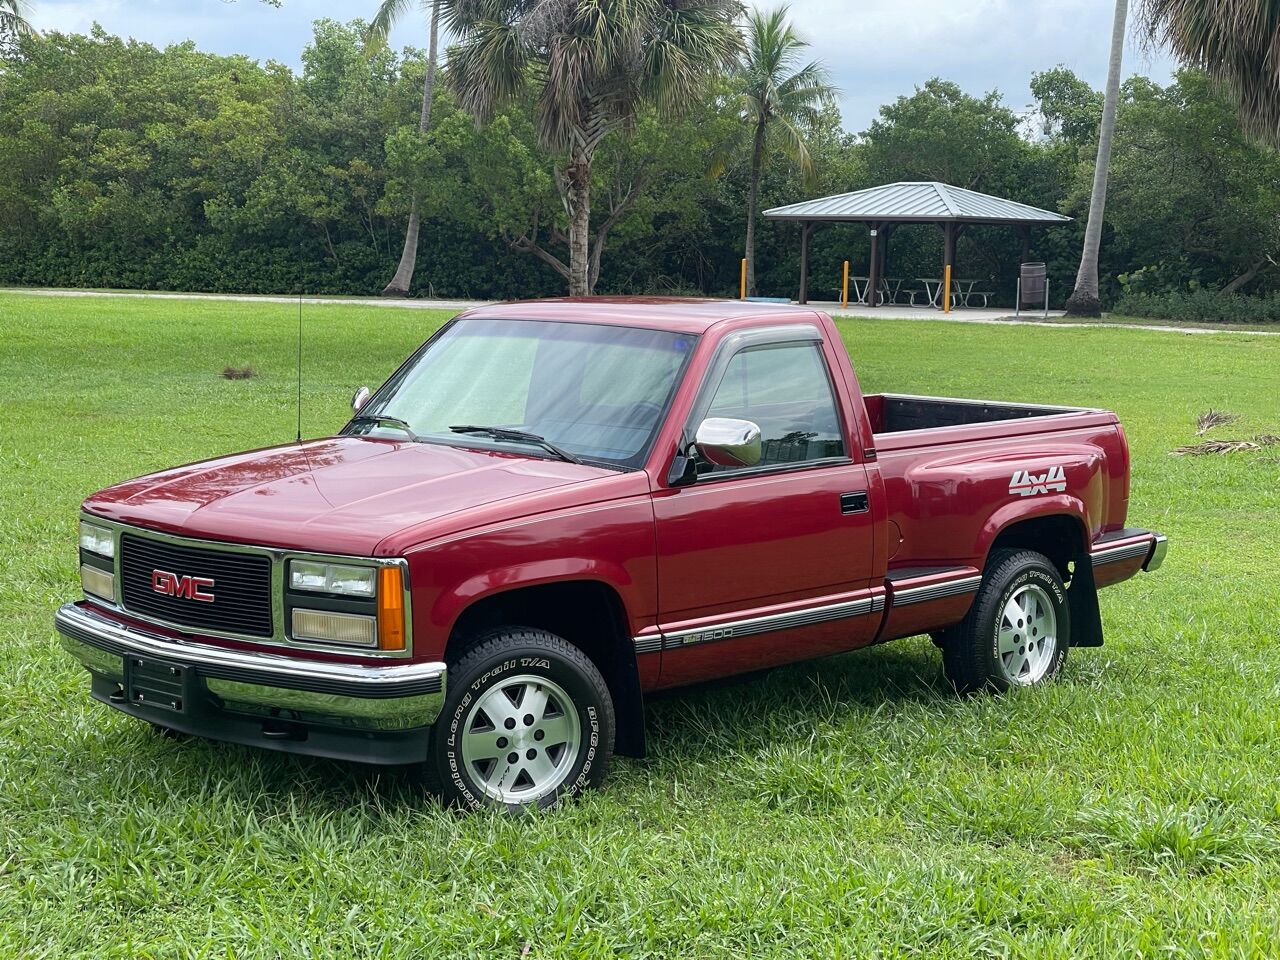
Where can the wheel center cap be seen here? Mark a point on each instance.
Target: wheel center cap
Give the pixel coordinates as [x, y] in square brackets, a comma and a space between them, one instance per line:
[522, 737]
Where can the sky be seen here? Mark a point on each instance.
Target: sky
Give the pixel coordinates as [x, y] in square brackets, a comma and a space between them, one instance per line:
[875, 50]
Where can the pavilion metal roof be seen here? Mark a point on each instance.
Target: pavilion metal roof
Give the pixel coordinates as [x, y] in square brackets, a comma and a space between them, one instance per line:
[916, 202]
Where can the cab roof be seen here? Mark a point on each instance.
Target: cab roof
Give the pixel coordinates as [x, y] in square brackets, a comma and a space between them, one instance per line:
[680, 314]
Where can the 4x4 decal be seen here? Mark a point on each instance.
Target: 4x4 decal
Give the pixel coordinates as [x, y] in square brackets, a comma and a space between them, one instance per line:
[1027, 484]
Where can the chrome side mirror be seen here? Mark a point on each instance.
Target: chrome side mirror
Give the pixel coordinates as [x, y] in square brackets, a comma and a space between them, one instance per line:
[359, 399]
[728, 443]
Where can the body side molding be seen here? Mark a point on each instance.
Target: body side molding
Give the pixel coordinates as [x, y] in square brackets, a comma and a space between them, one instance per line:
[733, 628]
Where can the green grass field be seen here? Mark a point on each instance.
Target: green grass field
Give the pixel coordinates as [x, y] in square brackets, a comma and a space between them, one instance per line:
[850, 807]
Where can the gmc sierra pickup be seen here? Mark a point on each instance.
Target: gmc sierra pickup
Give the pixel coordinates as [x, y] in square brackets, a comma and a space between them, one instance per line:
[553, 508]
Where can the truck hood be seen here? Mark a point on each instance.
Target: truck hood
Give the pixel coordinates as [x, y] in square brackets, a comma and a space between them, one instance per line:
[339, 495]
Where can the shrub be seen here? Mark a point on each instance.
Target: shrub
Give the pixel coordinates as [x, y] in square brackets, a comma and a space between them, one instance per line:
[1202, 306]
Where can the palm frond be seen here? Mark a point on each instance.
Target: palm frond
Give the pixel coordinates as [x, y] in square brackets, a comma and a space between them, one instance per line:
[592, 62]
[721, 157]
[791, 139]
[390, 12]
[1236, 42]
[564, 103]
[811, 80]
[488, 68]
[15, 18]
[776, 88]
[1205, 447]
[689, 41]
[1214, 418]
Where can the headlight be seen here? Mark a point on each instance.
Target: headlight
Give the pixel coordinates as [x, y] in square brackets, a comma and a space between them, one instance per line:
[97, 539]
[332, 578]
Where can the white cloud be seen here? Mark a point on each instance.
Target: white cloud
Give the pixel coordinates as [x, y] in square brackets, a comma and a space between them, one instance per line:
[885, 48]
[74, 17]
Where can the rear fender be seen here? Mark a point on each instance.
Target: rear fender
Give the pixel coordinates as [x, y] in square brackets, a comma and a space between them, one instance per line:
[1074, 556]
[1004, 517]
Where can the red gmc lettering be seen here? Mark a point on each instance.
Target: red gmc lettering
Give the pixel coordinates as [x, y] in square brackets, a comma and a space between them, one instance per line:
[188, 588]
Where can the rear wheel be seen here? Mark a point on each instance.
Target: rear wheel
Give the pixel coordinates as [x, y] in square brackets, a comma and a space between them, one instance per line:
[1017, 632]
[527, 721]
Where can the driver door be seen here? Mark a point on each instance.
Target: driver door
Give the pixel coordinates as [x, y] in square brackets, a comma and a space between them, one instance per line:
[766, 564]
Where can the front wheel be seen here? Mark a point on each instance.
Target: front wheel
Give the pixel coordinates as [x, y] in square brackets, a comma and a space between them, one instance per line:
[527, 721]
[1018, 630]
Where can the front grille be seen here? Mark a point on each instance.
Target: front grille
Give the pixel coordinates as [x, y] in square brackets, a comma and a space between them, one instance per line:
[241, 586]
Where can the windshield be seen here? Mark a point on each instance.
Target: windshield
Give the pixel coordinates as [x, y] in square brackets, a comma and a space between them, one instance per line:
[597, 392]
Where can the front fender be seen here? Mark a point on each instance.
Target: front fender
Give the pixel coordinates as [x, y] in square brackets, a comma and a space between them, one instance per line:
[610, 543]
[451, 602]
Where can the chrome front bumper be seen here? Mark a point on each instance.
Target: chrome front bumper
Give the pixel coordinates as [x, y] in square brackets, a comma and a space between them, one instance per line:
[396, 697]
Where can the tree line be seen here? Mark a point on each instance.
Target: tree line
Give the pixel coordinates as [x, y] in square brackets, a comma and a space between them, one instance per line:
[124, 165]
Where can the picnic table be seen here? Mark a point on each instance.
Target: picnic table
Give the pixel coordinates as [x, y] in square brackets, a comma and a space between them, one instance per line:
[859, 285]
[890, 289]
[961, 291]
[932, 289]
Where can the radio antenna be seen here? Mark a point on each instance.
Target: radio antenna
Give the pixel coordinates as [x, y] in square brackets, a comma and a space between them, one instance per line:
[299, 440]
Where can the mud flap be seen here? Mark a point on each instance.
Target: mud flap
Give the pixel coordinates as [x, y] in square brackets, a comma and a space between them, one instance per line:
[1082, 598]
[628, 704]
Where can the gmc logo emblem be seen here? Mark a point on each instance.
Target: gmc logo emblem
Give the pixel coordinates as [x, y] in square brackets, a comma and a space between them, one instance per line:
[188, 588]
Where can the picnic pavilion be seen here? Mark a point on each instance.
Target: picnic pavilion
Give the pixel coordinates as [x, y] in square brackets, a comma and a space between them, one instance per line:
[883, 209]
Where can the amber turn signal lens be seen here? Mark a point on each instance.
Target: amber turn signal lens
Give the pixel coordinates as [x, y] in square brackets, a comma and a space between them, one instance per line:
[391, 627]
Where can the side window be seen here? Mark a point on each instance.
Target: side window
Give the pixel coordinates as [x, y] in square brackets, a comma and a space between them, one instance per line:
[786, 391]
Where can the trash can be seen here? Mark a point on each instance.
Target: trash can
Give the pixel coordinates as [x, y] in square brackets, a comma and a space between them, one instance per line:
[1033, 283]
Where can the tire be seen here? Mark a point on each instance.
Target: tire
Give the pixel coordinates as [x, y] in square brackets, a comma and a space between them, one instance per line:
[991, 649]
[494, 747]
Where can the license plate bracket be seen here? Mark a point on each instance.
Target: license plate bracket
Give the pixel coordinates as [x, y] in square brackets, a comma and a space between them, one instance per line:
[157, 684]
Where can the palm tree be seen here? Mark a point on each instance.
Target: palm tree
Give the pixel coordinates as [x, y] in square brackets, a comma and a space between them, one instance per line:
[15, 19]
[1084, 300]
[777, 98]
[1237, 44]
[389, 12]
[590, 66]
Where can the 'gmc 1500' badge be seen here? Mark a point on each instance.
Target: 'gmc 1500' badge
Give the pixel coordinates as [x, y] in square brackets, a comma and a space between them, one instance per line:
[1027, 484]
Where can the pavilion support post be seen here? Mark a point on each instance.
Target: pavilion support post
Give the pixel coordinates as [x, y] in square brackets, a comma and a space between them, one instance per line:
[873, 280]
[885, 233]
[806, 228]
[1024, 234]
[948, 259]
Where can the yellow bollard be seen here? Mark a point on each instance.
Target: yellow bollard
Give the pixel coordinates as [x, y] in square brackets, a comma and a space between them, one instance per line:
[742, 283]
[946, 289]
[844, 288]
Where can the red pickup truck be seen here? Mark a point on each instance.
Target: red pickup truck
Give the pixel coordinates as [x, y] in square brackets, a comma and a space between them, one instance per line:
[554, 508]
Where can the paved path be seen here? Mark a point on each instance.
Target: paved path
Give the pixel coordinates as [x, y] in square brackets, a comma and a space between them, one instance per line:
[995, 317]
[898, 312]
[1003, 317]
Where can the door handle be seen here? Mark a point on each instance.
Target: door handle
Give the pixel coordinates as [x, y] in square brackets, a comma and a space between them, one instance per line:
[856, 502]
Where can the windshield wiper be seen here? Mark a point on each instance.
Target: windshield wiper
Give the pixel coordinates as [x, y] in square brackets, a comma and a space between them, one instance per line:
[376, 418]
[505, 433]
